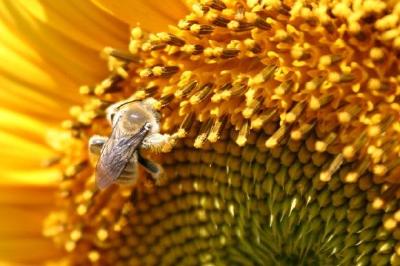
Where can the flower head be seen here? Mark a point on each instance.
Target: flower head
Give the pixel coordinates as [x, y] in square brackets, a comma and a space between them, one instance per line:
[287, 117]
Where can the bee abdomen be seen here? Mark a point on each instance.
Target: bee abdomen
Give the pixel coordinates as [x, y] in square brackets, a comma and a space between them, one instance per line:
[129, 174]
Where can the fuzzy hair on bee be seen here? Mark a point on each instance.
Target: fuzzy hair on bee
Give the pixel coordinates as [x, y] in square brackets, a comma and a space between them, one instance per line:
[135, 127]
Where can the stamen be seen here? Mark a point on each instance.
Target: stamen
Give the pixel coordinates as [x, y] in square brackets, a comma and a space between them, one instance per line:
[322, 145]
[260, 120]
[216, 4]
[229, 53]
[301, 131]
[353, 176]
[349, 151]
[202, 94]
[108, 85]
[274, 140]
[151, 90]
[165, 100]
[220, 21]
[159, 71]
[295, 112]
[262, 24]
[244, 131]
[121, 55]
[186, 125]
[272, 112]
[203, 134]
[186, 89]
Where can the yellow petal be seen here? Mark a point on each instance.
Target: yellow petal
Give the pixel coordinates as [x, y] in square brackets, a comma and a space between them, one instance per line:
[22, 210]
[41, 105]
[23, 126]
[80, 21]
[14, 220]
[27, 249]
[24, 150]
[52, 45]
[69, 55]
[48, 50]
[26, 195]
[152, 15]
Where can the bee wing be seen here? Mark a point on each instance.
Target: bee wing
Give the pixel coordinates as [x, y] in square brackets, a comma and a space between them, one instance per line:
[116, 153]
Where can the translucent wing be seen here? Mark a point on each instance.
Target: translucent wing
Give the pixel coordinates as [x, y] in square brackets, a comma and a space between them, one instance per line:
[116, 153]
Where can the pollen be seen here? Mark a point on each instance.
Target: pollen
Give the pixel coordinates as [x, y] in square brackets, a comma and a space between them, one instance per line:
[288, 142]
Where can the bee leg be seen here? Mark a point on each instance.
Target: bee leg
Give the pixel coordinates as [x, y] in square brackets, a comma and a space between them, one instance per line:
[96, 142]
[158, 142]
[154, 169]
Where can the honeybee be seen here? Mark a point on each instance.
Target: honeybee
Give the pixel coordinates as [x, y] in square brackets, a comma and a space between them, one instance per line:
[135, 126]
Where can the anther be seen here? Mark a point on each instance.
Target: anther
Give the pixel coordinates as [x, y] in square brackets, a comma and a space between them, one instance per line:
[240, 26]
[274, 140]
[168, 71]
[350, 150]
[159, 71]
[268, 71]
[202, 94]
[86, 90]
[243, 132]
[186, 125]
[185, 90]
[165, 100]
[215, 131]
[201, 29]
[229, 53]
[262, 24]
[295, 112]
[360, 169]
[150, 91]
[261, 119]
[157, 46]
[238, 88]
[322, 145]
[333, 166]
[301, 131]
[173, 40]
[314, 83]
[193, 49]
[124, 56]
[216, 4]
[203, 134]
[220, 21]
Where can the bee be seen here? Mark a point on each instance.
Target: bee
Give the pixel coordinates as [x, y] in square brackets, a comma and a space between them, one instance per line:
[135, 127]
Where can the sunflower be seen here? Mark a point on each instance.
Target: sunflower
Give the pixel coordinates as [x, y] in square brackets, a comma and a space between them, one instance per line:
[287, 122]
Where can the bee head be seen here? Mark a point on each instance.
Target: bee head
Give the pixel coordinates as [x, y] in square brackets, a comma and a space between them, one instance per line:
[114, 111]
[132, 115]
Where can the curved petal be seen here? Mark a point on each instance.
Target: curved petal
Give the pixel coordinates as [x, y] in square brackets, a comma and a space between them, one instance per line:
[48, 50]
[152, 15]
[24, 151]
[61, 49]
[22, 241]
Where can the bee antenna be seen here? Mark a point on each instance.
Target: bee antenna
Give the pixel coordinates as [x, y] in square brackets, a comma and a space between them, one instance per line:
[125, 103]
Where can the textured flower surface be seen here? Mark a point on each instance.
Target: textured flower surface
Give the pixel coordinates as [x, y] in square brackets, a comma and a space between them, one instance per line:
[288, 153]
[46, 55]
